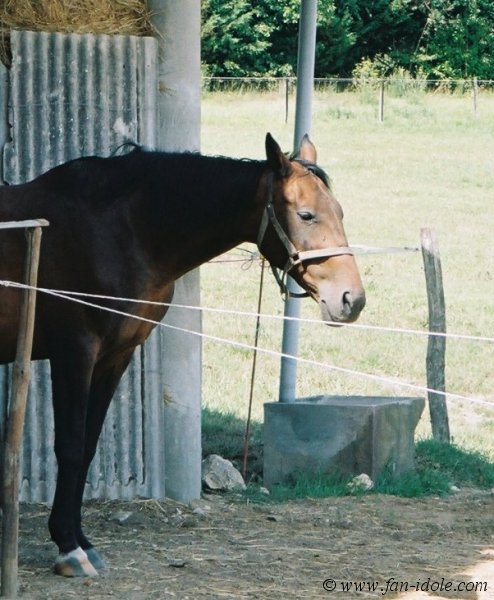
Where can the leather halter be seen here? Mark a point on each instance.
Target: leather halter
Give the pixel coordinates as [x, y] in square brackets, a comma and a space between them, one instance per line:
[295, 257]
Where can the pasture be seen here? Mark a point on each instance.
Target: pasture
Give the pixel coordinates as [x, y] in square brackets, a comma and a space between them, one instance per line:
[429, 164]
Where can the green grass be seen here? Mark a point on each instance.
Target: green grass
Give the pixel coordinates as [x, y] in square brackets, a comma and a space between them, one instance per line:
[429, 164]
[439, 466]
[461, 467]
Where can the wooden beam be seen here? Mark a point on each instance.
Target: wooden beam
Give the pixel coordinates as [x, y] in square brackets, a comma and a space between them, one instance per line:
[24, 224]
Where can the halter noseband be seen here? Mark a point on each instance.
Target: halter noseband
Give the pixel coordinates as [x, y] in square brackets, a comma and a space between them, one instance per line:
[295, 257]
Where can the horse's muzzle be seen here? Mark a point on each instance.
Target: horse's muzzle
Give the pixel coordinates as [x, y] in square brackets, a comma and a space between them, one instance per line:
[343, 306]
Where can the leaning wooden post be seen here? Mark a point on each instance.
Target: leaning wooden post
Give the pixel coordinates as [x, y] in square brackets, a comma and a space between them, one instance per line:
[15, 419]
[436, 347]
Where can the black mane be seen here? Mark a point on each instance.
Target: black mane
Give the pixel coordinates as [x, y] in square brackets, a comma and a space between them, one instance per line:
[316, 169]
[103, 181]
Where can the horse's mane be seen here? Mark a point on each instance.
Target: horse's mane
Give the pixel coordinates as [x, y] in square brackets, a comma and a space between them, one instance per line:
[102, 181]
[313, 168]
[91, 177]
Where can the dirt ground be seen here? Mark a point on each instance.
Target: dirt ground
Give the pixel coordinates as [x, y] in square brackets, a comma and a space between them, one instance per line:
[227, 548]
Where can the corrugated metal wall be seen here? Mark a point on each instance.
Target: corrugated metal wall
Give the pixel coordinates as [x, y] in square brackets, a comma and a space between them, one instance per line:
[72, 95]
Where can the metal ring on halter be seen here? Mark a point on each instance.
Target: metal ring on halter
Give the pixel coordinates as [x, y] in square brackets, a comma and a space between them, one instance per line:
[295, 257]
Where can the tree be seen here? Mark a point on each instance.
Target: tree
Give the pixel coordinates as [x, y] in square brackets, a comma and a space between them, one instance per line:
[241, 38]
[457, 39]
[234, 38]
[437, 38]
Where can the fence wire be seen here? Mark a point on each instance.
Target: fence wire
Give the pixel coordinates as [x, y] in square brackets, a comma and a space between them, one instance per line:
[78, 298]
[395, 85]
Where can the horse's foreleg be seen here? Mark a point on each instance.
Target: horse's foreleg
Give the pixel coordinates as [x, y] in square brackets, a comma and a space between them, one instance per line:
[104, 382]
[71, 369]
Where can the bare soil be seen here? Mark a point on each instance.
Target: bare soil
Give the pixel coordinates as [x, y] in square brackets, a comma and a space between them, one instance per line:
[228, 548]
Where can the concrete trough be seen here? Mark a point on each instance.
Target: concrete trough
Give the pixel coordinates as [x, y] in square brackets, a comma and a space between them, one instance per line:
[339, 434]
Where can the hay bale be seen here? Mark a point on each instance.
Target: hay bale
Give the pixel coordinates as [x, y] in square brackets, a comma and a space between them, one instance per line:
[129, 17]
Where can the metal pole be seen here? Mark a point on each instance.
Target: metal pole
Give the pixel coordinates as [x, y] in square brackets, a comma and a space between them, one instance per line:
[303, 119]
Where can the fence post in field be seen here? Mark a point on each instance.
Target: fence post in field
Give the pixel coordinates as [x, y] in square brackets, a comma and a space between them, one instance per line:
[286, 89]
[475, 96]
[17, 410]
[436, 346]
[381, 101]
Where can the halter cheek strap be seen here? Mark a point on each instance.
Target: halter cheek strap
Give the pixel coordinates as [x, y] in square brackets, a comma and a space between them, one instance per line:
[295, 257]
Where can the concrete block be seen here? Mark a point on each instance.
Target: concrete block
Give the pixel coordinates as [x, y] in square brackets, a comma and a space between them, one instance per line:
[343, 434]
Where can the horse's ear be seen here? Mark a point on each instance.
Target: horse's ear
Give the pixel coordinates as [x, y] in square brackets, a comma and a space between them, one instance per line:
[276, 159]
[307, 150]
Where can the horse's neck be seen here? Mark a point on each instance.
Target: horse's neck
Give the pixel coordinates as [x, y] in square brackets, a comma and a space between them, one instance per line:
[209, 216]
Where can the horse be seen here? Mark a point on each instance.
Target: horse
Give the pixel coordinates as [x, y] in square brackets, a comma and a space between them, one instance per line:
[129, 226]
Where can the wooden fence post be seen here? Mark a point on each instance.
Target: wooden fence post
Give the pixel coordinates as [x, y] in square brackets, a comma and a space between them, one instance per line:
[381, 101]
[436, 347]
[15, 419]
[475, 97]
[287, 97]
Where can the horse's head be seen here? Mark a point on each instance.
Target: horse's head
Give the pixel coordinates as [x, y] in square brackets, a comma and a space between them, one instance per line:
[302, 233]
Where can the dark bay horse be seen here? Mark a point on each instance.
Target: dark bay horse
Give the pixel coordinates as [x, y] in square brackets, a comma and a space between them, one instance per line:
[129, 226]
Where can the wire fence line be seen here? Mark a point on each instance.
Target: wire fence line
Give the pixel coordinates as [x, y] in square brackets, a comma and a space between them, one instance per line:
[386, 380]
[349, 84]
[365, 87]
[240, 313]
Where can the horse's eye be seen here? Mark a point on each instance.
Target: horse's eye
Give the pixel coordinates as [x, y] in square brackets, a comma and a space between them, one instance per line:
[306, 215]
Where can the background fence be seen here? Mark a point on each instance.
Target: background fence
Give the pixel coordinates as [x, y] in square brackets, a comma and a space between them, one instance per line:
[370, 89]
[396, 85]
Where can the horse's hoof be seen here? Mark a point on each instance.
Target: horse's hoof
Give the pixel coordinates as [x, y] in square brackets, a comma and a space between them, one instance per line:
[75, 564]
[95, 559]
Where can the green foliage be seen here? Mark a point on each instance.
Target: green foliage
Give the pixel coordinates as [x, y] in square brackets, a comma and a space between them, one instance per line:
[457, 39]
[234, 38]
[436, 39]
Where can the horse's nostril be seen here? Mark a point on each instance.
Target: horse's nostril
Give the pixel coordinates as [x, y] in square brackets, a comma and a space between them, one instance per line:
[353, 302]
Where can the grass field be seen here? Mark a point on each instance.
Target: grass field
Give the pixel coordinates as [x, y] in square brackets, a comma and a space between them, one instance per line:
[431, 163]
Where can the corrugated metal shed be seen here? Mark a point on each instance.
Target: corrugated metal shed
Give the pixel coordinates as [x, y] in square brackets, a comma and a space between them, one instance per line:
[72, 95]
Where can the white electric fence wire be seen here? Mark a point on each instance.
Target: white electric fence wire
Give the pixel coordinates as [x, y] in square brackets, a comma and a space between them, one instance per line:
[225, 311]
[381, 379]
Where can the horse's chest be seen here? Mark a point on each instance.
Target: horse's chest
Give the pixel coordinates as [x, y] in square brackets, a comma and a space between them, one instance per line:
[144, 316]
[135, 330]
